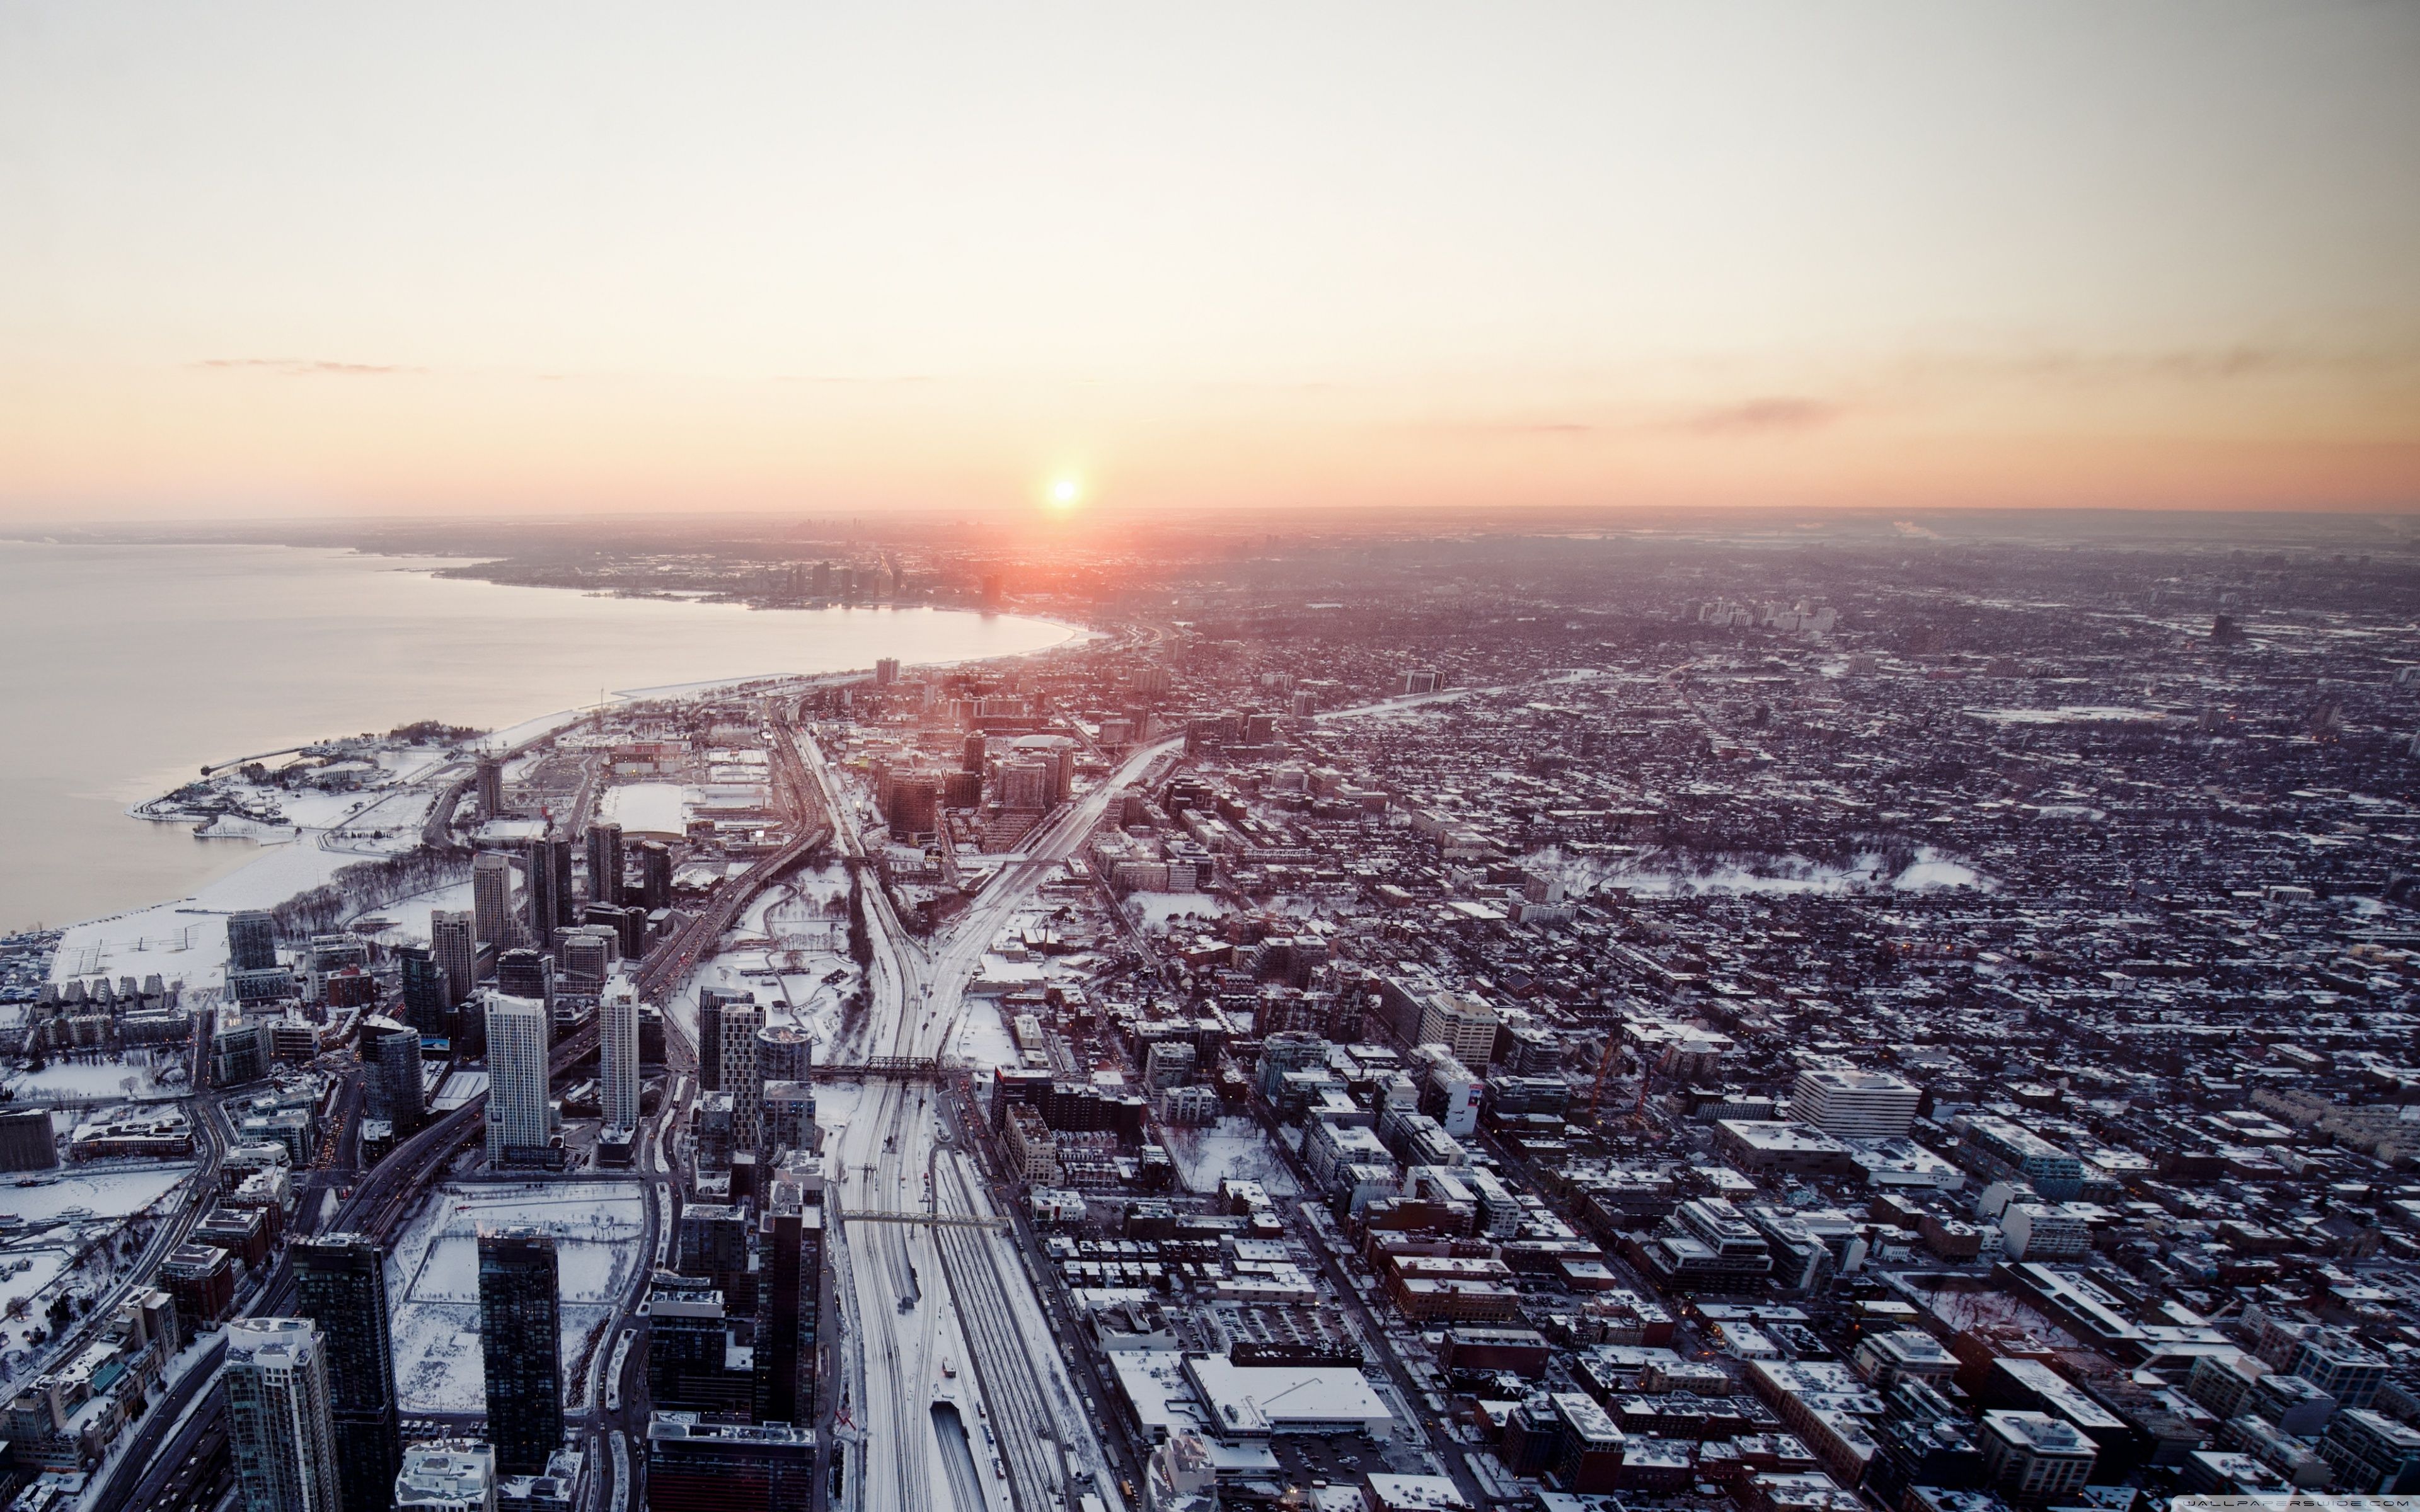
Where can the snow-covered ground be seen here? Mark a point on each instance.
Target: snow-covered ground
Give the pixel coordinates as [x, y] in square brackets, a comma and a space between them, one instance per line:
[24, 1276]
[1775, 875]
[1231, 1149]
[104, 1193]
[187, 939]
[76, 1213]
[649, 808]
[1152, 910]
[596, 1226]
[65, 1080]
[788, 950]
[982, 1038]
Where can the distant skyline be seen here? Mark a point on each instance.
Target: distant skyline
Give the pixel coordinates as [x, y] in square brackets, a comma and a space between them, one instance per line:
[290, 260]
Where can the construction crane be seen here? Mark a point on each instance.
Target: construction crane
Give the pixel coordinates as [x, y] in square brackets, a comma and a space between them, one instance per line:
[1603, 1070]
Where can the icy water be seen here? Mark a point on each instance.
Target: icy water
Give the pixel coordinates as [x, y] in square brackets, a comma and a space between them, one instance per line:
[123, 669]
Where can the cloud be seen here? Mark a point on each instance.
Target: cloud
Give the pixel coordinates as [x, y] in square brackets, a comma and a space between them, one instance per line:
[2239, 361]
[307, 368]
[1776, 415]
[1772, 415]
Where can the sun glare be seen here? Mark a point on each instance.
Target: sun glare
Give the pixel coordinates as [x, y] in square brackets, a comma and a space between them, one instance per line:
[1066, 492]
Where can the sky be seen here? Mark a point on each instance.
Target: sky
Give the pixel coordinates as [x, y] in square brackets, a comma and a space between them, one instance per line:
[444, 259]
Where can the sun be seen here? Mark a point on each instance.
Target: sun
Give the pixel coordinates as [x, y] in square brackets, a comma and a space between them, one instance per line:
[1066, 491]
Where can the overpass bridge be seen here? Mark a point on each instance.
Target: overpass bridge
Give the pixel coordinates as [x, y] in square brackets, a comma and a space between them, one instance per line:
[891, 1068]
[923, 1220]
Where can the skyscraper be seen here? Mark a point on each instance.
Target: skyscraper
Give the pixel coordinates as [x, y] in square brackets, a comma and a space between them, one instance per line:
[741, 1078]
[710, 1037]
[549, 889]
[521, 1340]
[519, 1118]
[491, 786]
[655, 875]
[783, 1317]
[605, 863]
[491, 897]
[617, 1053]
[455, 945]
[522, 972]
[425, 1003]
[340, 1284]
[391, 1052]
[252, 942]
[280, 1431]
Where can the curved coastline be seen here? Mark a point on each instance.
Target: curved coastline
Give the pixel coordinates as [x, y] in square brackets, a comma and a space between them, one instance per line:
[208, 653]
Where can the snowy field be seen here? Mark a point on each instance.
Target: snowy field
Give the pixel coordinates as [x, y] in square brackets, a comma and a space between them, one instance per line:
[983, 1039]
[1152, 910]
[24, 1274]
[186, 940]
[598, 1227]
[794, 961]
[104, 1193]
[1232, 1150]
[75, 1209]
[65, 1081]
[649, 808]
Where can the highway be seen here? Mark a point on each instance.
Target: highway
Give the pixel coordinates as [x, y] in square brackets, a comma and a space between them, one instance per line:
[379, 1202]
[966, 1295]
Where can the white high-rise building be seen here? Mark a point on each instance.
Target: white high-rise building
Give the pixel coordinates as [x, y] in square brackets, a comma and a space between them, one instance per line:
[741, 1077]
[281, 1429]
[519, 1112]
[617, 1043]
[1463, 1023]
[1853, 1105]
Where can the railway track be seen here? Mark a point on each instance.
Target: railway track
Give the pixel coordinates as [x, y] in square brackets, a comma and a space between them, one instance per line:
[1020, 1408]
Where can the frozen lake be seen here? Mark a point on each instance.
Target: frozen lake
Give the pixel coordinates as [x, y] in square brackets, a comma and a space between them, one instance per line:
[130, 667]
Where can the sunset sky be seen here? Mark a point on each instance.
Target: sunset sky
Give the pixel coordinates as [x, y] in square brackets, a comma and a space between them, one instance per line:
[434, 259]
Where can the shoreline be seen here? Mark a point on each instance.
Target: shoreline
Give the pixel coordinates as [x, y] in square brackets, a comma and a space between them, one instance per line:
[290, 865]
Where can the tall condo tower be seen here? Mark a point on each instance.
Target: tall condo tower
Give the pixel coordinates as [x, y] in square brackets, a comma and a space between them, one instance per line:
[740, 1076]
[252, 942]
[340, 1284]
[521, 1342]
[280, 1430]
[391, 1052]
[617, 1052]
[455, 944]
[519, 1118]
[605, 863]
[491, 897]
[550, 890]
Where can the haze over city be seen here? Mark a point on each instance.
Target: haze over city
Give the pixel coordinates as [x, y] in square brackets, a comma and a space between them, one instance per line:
[1331, 758]
[289, 260]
